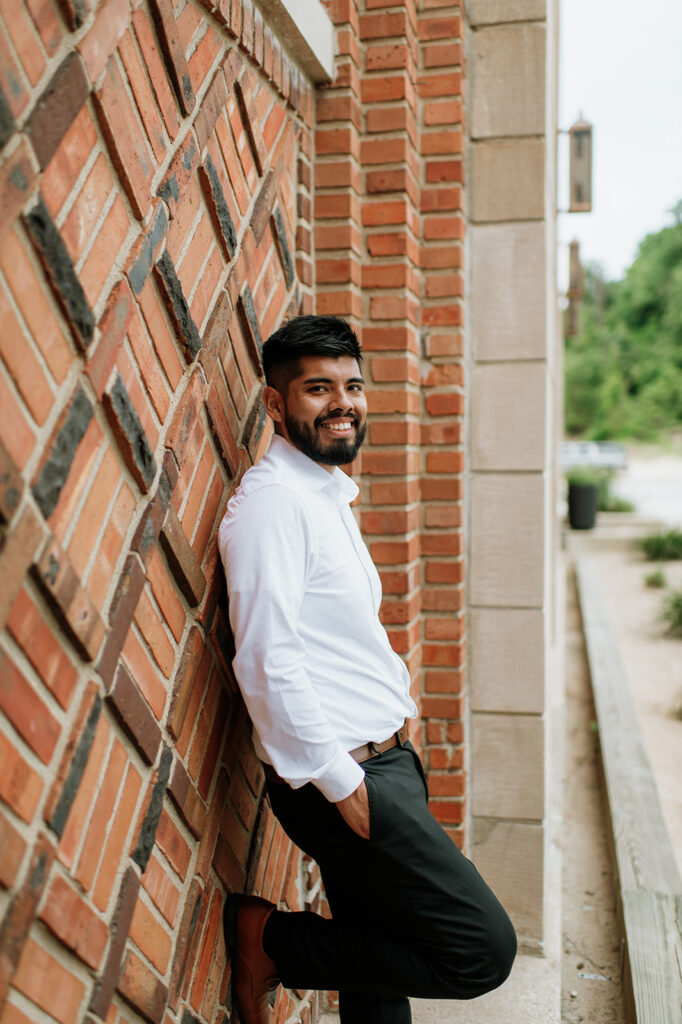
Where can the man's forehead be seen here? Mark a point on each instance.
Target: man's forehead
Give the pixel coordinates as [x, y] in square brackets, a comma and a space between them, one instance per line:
[327, 368]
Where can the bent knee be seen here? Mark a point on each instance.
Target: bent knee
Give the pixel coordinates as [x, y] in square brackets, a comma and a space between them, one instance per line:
[496, 958]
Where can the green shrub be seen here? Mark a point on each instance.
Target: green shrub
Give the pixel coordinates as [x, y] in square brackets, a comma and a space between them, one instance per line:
[672, 612]
[655, 579]
[584, 476]
[664, 546]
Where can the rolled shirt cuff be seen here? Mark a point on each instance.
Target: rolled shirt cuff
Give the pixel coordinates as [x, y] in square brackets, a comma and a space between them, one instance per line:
[341, 777]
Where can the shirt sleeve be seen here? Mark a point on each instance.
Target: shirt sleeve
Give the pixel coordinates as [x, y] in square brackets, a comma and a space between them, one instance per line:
[267, 548]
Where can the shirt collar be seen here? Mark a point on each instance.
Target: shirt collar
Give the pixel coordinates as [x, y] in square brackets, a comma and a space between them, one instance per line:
[341, 487]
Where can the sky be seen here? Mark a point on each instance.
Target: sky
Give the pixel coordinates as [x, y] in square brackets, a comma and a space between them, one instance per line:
[621, 69]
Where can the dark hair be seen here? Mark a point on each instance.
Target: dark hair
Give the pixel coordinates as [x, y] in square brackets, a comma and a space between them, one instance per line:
[306, 336]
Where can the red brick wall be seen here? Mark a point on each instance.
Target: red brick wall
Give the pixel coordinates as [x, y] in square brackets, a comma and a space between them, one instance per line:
[389, 237]
[167, 195]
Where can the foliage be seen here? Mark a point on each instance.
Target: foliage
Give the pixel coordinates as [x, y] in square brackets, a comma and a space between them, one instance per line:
[608, 501]
[623, 372]
[664, 546]
[672, 612]
[655, 579]
[584, 476]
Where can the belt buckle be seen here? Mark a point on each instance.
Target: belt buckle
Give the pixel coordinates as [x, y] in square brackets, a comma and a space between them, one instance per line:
[372, 747]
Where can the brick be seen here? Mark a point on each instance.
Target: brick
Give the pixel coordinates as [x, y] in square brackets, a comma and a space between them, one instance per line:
[151, 629]
[211, 108]
[129, 433]
[442, 55]
[35, 307]
[156, 71]
[144, 97]
[440, 84]
[221, 431]
[250, 326]
[57, 108]
[189, 934]
[108, 791]
[150, 937]
[124, 602]
[177, 306]
[182, 561]
[161, 889]
[440, 28]
[61, 273]
[20, 786]
[182, 792]
[249, 117]
[145, 252]
[217, 205]
[125, 140]
[55, 470]
[283, 247]
[105, 985]
[11, 486]
[29, 715]
[185, 682]
[12, 851]
[48, 984]
[173, 52]
[16, 555]
[74, 923]
[146, 838]
[74, 762]
[134, 715]
[7, 124]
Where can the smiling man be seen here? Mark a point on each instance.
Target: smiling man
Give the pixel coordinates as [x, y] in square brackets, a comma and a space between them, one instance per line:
[329, 700]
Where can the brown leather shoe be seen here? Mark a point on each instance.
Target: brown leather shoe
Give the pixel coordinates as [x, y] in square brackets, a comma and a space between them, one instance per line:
[254, 974]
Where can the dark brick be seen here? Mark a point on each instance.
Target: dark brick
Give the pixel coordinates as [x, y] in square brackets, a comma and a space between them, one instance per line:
[145, 842]
[142, 990]
[184, 681]
[179, 174]
[182, 561]
[186, 799]
[186, 415]
[211, 108]
[57, 108]
[76, 768]
[189, 1018]
[221, 431]
[11, 485]
[173, 52]
[209, 837]
[71, 605]
[105, 986]
[75, 12]
[191, 927]
[61, 273]
[262, 208]
[144, 253]
[250, 120]
[148, 529]
[17, 552]
[215, 341]
[254, 424]
[55, 470]
[113, 328]
[134, 714]
[129, 433]
[250, 326]
[220, 215]
[285, 256]
[121, 614]
[6, 121]
[20, 913]
[177, 306]
[17, 180]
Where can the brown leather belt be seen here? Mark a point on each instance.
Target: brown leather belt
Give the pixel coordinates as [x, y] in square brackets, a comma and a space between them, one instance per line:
[360, 754]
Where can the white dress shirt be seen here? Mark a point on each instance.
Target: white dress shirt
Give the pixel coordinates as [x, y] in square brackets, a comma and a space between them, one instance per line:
[313, 661]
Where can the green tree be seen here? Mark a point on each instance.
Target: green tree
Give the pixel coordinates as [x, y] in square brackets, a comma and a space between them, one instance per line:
[623, 372]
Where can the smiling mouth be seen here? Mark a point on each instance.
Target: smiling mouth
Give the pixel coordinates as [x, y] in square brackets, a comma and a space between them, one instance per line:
[339, 428]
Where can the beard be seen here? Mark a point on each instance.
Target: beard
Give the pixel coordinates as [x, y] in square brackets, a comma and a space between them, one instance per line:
[335, 451]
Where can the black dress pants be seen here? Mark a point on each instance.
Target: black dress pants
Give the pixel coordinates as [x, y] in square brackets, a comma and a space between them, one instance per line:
[411, 916]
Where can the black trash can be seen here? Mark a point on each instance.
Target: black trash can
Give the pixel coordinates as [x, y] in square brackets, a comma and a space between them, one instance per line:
[582, 505]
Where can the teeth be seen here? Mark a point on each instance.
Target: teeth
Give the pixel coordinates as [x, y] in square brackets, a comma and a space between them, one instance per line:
[338, 426]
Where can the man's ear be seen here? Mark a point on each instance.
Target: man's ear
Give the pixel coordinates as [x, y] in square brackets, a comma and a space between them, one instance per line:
[274, 404]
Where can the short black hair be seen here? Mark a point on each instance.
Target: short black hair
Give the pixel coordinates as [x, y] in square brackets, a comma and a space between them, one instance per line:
[306, 336]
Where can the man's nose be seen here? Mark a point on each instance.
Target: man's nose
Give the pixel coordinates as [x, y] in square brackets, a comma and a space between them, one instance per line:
[341, 399]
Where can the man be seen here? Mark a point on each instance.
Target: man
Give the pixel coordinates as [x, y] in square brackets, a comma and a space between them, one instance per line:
[328, 699]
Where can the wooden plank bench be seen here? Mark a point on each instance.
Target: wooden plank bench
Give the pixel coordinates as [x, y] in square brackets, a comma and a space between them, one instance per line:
[650, 890]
